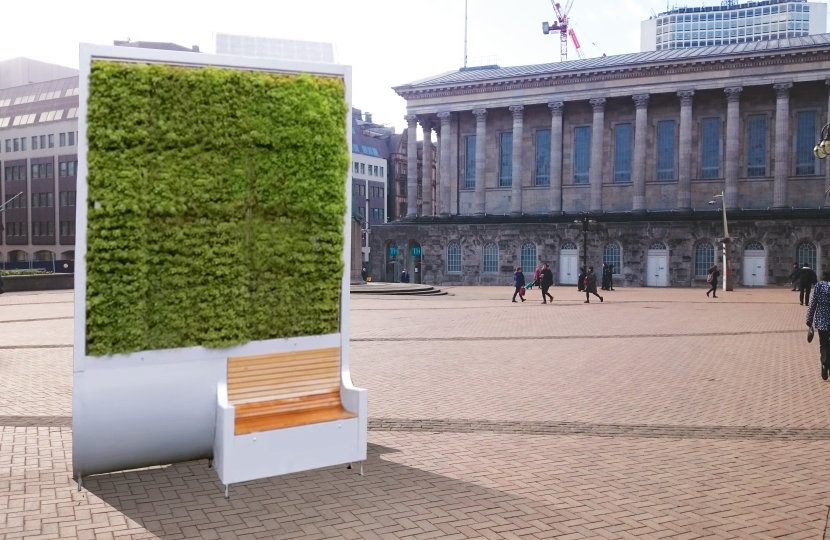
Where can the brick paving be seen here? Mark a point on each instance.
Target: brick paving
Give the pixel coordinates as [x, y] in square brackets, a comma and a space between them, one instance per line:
[657, 414]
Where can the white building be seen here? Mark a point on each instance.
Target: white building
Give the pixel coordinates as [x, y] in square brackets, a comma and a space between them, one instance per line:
[711, 26]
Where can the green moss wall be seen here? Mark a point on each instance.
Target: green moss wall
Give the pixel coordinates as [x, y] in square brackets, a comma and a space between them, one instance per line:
[216, 204]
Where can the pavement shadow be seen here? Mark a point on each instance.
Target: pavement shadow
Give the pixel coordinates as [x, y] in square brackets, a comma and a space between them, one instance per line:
[186, 500]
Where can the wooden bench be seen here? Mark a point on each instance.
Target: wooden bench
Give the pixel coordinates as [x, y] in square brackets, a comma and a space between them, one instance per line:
[274, 391]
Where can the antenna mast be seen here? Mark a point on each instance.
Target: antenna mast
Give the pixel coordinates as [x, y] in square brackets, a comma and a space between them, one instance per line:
[466, 2]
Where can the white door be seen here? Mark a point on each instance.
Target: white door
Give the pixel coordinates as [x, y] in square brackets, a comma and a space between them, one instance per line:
[568, 273]
[755, 269]
[657, 270]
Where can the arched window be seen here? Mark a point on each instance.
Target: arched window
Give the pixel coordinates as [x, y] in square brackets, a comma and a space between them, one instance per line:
[568, 245]
[657, 246]
[704, 258]
[454, 259]
[68, 255]
[528, 258]
[18, 256]
[43, 255]
[754, 246]
[612, 255]
[806, 253]
[491, 258]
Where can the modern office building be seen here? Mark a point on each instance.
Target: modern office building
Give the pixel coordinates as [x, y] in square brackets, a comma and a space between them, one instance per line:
[640, 144]
[732, 23]
[38, 161]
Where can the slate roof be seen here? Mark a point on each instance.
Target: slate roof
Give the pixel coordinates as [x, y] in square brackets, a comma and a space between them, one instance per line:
[623, 61]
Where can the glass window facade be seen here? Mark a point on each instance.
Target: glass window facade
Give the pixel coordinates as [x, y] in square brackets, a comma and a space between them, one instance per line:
[704, 259]
[470, 162]
[806, 253]
[582, 154]
[665, 149]
[710, 148]
[542, 177]
[491, 258]
[622, 152]
[737, 25]
[806, 135]
[612, 255]
[505, 159]
[757, 143]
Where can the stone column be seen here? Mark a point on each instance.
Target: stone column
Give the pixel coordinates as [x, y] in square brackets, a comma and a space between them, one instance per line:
[480, 206]
[556, 108]
[826, 163]
[597, 144]
[684, 186]
[411, 166]
[782, 144]
[444, 195]
[426, 168]
[516, 174]
[733, 145]
[638, 167]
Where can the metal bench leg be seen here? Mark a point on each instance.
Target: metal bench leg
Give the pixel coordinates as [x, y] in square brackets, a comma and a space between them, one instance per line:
[361, 468]
[226, 491]
[80, 482]
[210, 464]
[349, 467]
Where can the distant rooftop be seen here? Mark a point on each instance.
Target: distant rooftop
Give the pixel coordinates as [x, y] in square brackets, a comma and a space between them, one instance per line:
[724, 7]
[283, 49]
[23, 71]
[155, 45]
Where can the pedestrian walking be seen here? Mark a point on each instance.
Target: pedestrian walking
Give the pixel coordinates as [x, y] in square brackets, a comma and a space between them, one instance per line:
[610, 277]
[806, 279]
[364, 274]
[606, 285]
[712, 279]
[546, 282]
[794, 276]
[519, 283]
[818, 317]
[580, 281]
[591, 285]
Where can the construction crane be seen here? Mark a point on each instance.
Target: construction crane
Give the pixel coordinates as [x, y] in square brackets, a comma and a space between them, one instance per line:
[562, 25]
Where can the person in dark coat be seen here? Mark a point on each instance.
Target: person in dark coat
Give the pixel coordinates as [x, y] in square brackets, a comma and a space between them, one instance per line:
[794, 276]
[610, 277]
[818, 316]
[580, 281]
[591, 285]
[806, 279]
[518, 282]
[364, 274]
[606, 278]
[546, 282]
[715, 273]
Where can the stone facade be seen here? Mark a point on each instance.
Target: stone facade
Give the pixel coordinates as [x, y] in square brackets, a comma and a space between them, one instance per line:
[779, 237]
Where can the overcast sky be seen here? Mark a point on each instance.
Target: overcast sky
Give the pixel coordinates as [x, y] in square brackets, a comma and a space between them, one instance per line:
[388, 42]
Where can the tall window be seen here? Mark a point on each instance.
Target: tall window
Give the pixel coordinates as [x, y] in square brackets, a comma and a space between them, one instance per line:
[454, 259]
[806, 253]
[470, 162]
[528, 258]
[582, 154]
[622, 153]
[542, 158]
[704, 259]
[665, 150]
[505, 159]
[805, 161]
[569, 245]
[491, 258]
[757, 141]
[612, 255]
[754, 246]
[710, 148]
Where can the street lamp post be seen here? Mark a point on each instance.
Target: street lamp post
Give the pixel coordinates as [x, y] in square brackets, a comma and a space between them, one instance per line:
[728, 278]
[586, 224]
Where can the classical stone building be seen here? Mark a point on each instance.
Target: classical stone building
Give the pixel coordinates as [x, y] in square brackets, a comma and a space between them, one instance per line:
[638, 143]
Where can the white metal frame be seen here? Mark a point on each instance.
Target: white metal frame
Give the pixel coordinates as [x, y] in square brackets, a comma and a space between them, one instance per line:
[154, 407]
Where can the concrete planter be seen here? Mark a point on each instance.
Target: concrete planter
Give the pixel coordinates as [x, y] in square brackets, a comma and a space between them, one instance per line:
[43, 282]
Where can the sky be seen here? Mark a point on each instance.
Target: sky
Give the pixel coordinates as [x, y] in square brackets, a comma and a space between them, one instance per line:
[387, 42]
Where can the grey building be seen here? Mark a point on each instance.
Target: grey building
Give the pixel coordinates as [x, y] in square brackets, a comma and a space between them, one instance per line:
[732, 22]
[38, 161]
[638, 143]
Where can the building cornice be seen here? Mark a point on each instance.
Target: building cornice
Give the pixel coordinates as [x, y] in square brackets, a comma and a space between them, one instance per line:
[618, 73]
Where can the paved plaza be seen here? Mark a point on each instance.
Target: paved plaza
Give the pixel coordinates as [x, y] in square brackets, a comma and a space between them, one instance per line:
[657, 414]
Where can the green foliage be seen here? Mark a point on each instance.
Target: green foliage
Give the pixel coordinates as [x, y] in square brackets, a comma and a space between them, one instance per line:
[216, 204]
[34, 272]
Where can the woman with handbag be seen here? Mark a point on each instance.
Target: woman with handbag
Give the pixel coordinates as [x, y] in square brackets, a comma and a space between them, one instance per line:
[818, 317]
[712, 278]
[519, 282]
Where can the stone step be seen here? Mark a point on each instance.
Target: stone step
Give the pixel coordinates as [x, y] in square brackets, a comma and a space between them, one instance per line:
[403, 289]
